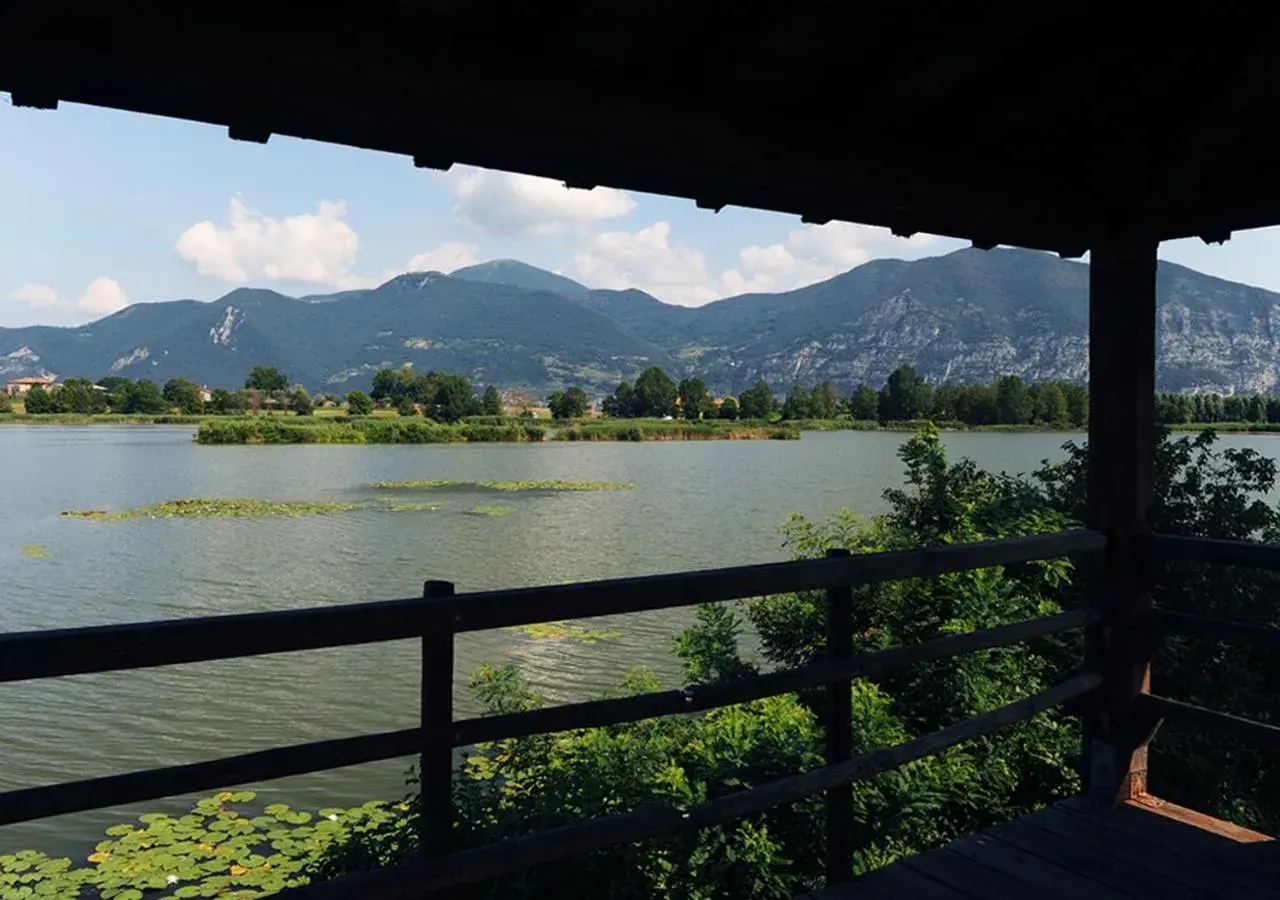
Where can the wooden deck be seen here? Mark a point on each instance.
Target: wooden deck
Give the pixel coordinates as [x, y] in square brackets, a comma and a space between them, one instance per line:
[1144, 849]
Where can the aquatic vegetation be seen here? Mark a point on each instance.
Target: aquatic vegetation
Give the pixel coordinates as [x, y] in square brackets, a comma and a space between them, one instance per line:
[507, 485]
[213, 508]
[491, 511]
[672, 430]
[372, 430]
[409, 506]
[37, 551]
[564, 631]
[218, 849]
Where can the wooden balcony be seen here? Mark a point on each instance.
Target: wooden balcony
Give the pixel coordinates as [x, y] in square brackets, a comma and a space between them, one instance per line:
[1142, 849]
[1075, 849]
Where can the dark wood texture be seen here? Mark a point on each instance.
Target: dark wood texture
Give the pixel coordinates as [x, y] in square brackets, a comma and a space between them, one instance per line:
[581, 838]
[436, 763]
[726, 693]
[1254, 554]
[1169, 622]
[1122, 351]
[153, 784]
[839, 734]
[1177, 713]
[109, 648]
[1153, 109]
[1142, 849]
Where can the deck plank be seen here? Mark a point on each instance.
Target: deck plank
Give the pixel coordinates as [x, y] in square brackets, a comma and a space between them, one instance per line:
[1143, 850]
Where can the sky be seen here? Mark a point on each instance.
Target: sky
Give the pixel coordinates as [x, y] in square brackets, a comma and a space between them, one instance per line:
[101, 208]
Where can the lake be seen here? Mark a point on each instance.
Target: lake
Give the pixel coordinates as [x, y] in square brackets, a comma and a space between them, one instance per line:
[695, 505]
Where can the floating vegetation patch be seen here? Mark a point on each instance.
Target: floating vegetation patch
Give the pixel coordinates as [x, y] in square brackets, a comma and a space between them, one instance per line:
[37, 551]
[213, 508]
[409, 506]
[508, 485]
[563, 631]
[218, 849]
[491, 511]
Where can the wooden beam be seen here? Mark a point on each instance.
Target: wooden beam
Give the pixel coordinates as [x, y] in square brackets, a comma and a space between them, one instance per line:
[110, 648]
[1122, 435]
[839, 731]
[1178, 548]
[1176, 712]
[1169, 622]
[435, 768]
[153, 784]
[595, 713]
[582, 838]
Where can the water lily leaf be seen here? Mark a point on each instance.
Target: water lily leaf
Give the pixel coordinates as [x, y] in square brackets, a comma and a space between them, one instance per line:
[243, 797]
[190, 890]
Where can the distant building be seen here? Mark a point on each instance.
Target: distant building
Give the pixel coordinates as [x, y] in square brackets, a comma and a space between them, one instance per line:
[19, 386]
[206, 395]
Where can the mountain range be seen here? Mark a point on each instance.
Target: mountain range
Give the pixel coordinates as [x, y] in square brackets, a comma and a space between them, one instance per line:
[967, 316]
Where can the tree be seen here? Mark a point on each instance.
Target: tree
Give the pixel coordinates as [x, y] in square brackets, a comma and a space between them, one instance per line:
[79, 395]
[1051, 405]
[621, 403]
[38, 401]
[452, 399]
[406, 407]
[864, 405]
[300, 401]
[222, 402]
[1013, 401]
[655, 394]
[825, 402]
[183, 394]
[756, 402]
[267, 379]
[142, 397]
[904, 397]
[569, 404]
[359, 403]
[728, 408]
[798, 404]
[491, 402]
[695, 399]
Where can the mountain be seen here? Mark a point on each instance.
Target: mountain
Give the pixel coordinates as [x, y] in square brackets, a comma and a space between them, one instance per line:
[522, 275]
[968, 316]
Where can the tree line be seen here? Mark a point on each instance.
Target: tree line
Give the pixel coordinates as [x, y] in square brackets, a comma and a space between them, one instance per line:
[906, 396]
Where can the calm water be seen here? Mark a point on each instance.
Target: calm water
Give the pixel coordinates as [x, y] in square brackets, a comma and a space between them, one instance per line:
[695, 505]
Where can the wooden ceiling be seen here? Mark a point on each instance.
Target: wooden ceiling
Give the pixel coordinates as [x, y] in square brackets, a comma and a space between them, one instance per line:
[1036, 129]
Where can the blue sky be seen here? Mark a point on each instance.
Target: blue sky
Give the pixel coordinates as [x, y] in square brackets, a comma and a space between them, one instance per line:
[103, 208]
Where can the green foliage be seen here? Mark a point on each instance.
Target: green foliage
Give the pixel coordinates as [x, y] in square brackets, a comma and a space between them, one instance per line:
[566, 631]
[267, 379]
[271, 430]
[37, 401]
[212, 508]
[184, 394]
[569, 404]
[491, 402]
[222, 847]
[673, 430]
[507, 485]
[300, 401]
[359, 403]
[756, 402]
[443, 396]
[694, 398]
[729, 409]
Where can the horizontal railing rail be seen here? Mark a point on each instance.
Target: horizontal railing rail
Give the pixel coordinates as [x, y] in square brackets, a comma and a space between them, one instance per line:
[580, 838]
[109, 648]
[1180, 548]
[439, 615]
[265, 765]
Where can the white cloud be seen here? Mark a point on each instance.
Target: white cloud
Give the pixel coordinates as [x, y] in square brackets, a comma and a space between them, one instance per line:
[646, 260]
[102, 297]
[445, 258]
[813, 253]
[38, 296]
[312, 248]
[510, 205]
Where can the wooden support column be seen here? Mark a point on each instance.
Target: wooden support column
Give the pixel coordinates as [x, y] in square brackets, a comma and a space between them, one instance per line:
[1122, 433]
[436, 770]
[839, 800]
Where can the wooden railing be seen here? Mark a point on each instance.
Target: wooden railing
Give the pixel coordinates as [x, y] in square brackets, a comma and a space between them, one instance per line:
[1156, 623]
[438, 615]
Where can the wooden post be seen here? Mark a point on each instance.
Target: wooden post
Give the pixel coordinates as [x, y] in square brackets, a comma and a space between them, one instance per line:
[839, 801]
[436, 768]
[1122, 432]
